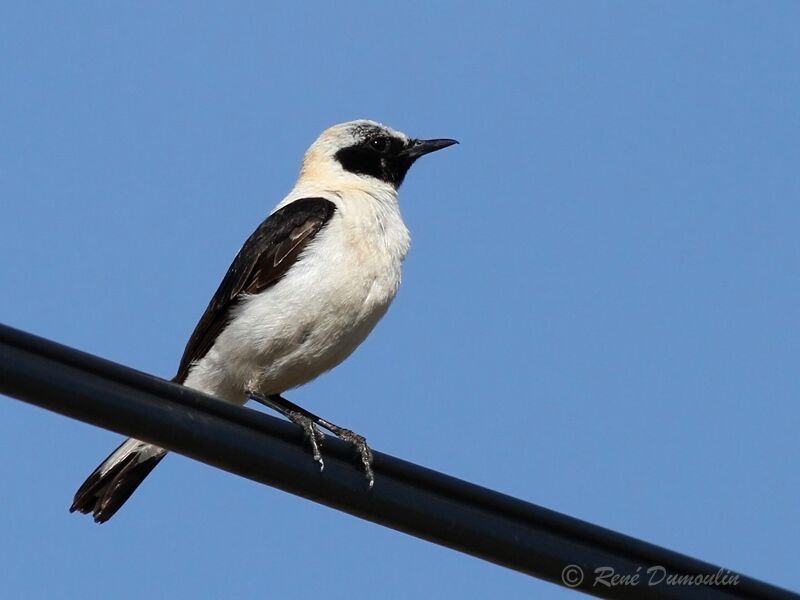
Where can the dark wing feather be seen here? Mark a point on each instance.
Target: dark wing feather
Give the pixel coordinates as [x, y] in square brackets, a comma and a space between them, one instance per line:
[264, 259]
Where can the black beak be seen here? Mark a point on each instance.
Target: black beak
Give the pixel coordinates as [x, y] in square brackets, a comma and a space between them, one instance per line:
[421, 147]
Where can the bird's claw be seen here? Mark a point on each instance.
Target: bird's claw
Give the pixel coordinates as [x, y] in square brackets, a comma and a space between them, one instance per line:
[312, 433]
[359, 443]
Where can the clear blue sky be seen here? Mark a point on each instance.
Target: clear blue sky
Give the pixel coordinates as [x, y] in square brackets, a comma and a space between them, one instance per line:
[600, 311]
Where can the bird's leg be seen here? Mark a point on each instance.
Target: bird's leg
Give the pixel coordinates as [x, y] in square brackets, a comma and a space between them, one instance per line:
[308, 420]
[300, 417]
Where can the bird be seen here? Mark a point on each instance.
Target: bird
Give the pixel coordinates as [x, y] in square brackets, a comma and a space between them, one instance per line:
[305, 289]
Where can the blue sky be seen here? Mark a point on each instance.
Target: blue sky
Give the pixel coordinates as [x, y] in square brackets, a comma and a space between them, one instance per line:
[600, 311]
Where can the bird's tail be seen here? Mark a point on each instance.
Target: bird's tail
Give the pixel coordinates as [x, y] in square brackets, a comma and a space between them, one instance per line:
[116, 478]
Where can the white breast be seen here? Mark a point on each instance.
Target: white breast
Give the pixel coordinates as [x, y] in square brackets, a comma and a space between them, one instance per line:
[319, 312]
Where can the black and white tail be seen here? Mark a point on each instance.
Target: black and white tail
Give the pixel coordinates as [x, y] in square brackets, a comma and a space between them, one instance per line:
[117, 477]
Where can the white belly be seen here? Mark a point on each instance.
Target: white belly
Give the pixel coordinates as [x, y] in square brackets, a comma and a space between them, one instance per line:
[310, 321]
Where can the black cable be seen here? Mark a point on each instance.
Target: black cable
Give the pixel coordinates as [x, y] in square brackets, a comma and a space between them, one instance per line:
[406, 497]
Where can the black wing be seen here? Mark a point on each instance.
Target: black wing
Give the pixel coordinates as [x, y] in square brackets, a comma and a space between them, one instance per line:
[264, 259]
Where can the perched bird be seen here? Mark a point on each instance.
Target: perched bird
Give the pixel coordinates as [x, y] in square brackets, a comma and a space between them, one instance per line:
[304, 291]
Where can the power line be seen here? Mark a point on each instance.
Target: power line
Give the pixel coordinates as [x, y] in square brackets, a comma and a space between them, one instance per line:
[406, 497]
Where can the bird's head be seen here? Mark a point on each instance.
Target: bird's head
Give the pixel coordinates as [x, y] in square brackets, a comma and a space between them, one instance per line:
[365, 152]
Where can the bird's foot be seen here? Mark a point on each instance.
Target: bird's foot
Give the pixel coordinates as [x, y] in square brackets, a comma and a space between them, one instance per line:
[311, 424]
[312, 432]
[358, 442]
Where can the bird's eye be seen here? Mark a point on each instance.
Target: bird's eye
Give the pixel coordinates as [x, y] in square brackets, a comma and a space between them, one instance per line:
[379, 144]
